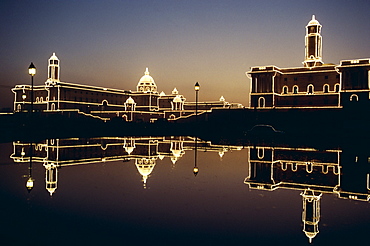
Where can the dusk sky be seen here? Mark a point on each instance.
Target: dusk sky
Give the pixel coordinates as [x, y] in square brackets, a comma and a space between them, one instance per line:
[110, 43]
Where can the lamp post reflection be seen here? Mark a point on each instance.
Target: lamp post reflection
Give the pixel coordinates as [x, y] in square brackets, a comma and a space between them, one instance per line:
[32, 72]
[195, 169]
[30, 180]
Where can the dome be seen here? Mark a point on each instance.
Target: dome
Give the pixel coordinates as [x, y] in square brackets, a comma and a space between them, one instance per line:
[177, 99]
[130, 101]
[145, 167]
[146, 83]
[53, 57]
[313, 22]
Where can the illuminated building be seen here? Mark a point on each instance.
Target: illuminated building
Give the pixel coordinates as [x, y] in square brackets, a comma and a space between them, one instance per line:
[315, 85]
[144, 104]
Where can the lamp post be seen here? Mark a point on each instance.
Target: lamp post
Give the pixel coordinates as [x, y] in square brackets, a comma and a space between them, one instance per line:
[196, 88]
[32, 72]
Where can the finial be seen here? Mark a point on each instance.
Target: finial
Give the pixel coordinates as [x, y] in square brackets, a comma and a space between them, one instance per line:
[313, 17]
[147, 71]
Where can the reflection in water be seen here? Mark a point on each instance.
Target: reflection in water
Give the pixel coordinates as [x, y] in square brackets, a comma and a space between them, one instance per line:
[56, 153]
[342, 172]
[311, 171]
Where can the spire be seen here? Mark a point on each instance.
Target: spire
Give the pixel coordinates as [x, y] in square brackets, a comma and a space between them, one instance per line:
[146, 71]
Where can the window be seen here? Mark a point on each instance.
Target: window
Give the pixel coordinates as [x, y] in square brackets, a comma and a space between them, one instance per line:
[285, 89]
[326, 88]
[261, 102]
[336, 87]
[310, 89]
[260, 153]
[295, 89]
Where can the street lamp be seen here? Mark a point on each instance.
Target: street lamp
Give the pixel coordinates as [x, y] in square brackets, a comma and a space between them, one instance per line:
[196, 88]
[32, 72]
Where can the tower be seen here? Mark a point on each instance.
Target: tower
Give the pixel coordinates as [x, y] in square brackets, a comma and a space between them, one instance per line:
[313, 44]
[53, 69]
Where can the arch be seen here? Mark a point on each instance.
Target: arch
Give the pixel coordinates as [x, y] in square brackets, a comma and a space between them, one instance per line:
[104, 103]
[310, 89]
[309, 167]
[52, 107]
[260, 153]
[124, 117]
[172, 117]
[294, 167]
[353, 98]
[295, 89]
[284, 166]
[285, 89]
[261, 102]
[37, 99]
[337, 87]
[19, 107]
[326, 88]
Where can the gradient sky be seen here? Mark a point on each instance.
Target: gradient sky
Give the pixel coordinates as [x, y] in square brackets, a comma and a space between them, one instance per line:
[110, 43]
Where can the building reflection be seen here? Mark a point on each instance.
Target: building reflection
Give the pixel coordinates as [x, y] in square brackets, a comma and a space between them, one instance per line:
[343, 172]
[143, 151]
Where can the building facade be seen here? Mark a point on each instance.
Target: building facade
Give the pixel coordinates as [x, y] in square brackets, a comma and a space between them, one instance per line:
[143, 104]
[315, 85]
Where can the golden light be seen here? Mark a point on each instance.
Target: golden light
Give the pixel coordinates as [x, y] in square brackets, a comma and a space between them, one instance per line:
[32, 69]
[196, 86]
[24, 96]
[195, 171]
[29, 183]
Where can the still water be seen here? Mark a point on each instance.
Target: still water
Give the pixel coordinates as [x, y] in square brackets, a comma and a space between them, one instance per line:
[181, 191]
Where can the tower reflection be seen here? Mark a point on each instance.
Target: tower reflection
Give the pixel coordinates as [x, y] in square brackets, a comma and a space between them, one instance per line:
[343, 172]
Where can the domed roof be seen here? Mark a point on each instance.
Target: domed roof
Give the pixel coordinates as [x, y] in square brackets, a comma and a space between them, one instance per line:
[130, 101]
[177, 99]
[53, 57]
[146, 83]
[313, 22]
[145, 167]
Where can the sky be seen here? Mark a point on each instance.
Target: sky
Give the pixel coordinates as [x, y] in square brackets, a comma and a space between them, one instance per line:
[110, 43]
